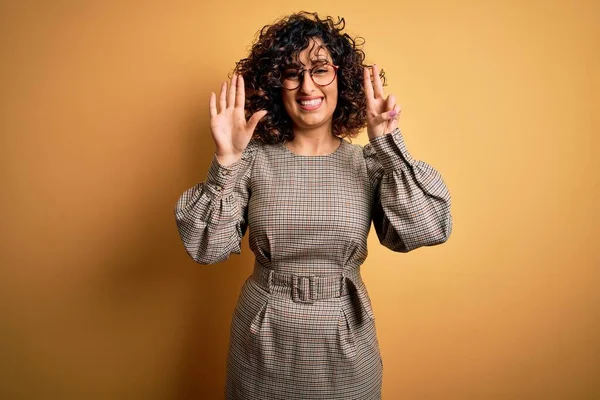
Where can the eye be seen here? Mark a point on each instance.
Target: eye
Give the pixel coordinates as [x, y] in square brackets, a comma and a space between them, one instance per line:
[291, 74]
[320, 71]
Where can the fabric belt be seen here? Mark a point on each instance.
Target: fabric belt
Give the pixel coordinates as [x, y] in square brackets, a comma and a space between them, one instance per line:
[303, 288]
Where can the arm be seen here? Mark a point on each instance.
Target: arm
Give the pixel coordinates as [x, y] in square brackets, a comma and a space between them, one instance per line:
[211, 216]
[412, 203]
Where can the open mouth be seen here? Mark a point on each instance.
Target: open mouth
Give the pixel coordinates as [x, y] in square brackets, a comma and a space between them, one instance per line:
[310, 104]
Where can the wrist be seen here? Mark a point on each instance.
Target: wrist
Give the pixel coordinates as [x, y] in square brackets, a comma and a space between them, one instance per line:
[227, 160]
[375, 136]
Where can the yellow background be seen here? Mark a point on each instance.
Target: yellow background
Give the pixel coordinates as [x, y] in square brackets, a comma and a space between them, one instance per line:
[104, 122]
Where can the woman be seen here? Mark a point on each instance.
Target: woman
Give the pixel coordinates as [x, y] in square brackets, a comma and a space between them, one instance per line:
[303, 327]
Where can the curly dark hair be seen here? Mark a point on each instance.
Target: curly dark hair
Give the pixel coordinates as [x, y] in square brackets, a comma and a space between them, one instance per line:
[278, 46]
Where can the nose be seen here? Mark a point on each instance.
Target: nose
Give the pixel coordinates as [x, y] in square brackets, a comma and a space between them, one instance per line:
[307, 86]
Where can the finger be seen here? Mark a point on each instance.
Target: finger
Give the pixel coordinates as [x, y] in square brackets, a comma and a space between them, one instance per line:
[254, 119]
[222, 97]
[368, 86]
[231, 94]
[398, 110]
[377, 85]
[240, 94]
[212, 105]
[394, 122]
[389, 115]
[390, 102]
[386, 116]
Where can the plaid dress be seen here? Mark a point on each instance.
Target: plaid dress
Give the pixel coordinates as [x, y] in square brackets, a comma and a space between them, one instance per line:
[303, 327]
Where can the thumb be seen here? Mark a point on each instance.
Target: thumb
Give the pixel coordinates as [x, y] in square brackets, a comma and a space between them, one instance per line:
[254, 119]
[386, 116]
[394, 122]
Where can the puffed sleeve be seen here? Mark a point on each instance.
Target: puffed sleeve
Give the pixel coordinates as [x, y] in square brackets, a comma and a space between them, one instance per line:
[412, 203]
[212, 215]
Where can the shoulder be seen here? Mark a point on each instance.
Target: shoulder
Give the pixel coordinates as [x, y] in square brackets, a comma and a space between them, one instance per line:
[258, 152]
[362, 151]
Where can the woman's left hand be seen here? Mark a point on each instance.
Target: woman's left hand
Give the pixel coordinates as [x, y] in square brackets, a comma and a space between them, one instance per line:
[382, 112]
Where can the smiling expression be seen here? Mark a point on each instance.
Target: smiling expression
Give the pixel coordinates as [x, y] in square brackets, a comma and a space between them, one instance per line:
[311, 106]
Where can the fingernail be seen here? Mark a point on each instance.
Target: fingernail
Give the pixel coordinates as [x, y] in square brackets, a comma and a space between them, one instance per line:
[393, 113]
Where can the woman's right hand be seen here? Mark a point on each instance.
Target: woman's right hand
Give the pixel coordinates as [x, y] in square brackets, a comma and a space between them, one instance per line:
[231, 132]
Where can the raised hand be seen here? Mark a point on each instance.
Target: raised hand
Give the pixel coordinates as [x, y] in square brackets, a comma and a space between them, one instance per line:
[382, 113]
[230, 130]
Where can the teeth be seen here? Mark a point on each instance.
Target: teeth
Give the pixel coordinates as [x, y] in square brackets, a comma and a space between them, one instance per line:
[314, 102]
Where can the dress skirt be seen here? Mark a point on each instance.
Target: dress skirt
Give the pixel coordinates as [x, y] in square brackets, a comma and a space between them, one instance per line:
[283, 348]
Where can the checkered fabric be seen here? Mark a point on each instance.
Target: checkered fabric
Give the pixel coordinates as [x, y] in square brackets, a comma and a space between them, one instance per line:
[303, 327]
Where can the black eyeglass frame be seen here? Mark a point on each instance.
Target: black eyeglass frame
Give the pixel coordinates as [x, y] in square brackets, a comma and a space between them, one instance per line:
[302, 71]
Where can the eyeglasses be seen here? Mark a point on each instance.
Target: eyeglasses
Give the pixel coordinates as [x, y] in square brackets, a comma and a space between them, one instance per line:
[322, 75]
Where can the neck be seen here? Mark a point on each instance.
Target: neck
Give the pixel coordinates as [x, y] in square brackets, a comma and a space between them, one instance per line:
[314, 142]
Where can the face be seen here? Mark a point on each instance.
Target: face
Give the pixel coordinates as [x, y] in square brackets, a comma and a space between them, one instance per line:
[311, 106]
